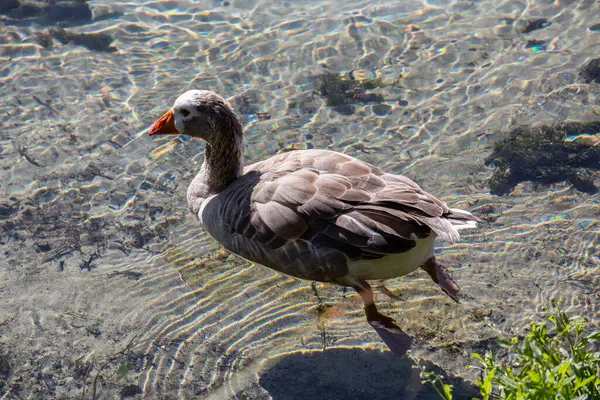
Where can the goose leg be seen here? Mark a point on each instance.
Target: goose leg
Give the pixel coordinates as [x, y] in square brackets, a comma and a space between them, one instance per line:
[438, 274]
[398, 341]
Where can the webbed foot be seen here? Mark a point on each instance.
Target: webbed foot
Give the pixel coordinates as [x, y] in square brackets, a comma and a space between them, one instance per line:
[439, 275]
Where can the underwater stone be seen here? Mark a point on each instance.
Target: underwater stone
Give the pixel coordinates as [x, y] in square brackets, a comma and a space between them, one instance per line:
[535, 25]
[344, 109]
[72, 13]
[536, 43]
[130, 391]
[591, 71]
[43, 247]
[91, 41]
[7, 209]
[48, 13]
[546, 155]
[381, 109]
[7, 5]
[341, 91]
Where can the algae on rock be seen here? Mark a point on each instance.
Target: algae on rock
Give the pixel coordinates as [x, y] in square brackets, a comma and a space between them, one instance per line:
[341, 91]
[568, 152]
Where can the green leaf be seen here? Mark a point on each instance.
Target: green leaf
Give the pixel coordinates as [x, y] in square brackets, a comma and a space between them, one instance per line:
[447, 391]
[534, 376]
[486, 386]
[594, 336]
[583, 383]
[563, 368]
[479, 357]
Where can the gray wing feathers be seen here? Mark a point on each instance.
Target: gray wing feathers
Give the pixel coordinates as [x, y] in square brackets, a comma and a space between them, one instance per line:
[302, 194]
[281, 219]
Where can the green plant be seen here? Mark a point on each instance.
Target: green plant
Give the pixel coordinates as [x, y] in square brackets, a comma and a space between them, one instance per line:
[560, 362]
[437, 381]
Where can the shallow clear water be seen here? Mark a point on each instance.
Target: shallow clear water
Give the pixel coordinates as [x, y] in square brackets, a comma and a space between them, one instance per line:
[107, 283]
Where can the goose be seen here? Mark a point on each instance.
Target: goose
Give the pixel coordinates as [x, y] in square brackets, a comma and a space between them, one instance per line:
[318, 215]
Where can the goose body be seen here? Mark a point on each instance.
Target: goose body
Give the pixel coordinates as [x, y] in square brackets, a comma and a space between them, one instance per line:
[317, 215]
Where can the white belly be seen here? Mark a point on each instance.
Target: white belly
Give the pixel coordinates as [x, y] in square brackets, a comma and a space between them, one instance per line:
[394, 265]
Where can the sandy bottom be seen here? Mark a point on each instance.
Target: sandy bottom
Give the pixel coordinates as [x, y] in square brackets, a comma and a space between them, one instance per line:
[108, 288]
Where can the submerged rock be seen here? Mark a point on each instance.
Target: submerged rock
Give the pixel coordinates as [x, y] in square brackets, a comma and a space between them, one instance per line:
[64, 13]
[547, 154]
[130, 391]
[91, 41]
[341, 91]
[535, 24]
[591, 71]
[7, 5]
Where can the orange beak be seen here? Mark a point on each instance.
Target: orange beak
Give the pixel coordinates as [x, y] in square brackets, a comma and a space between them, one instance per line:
[164, 126]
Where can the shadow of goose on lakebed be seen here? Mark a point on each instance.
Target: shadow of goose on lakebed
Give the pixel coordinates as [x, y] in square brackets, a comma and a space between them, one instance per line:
[352, 374]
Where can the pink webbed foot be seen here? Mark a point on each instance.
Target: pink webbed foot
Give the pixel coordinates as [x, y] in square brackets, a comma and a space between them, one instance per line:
[397, 341]
[438, 274]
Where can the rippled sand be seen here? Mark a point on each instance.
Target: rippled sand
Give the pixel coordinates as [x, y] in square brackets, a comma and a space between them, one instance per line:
[103, 268]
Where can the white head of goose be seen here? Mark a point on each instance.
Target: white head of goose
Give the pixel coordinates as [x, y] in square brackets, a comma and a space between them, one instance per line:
[313, 214]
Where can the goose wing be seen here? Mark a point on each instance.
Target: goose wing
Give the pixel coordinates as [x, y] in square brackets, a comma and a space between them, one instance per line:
[338, 201]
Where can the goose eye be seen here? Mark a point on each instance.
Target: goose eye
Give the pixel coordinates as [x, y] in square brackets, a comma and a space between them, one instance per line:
[184, 112]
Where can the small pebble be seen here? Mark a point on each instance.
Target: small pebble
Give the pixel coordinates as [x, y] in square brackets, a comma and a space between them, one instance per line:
[130, 391]
[381, 109]
[44, 247]
[535, 25]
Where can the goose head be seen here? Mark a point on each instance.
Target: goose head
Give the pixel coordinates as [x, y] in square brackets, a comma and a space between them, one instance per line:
[199, 113]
